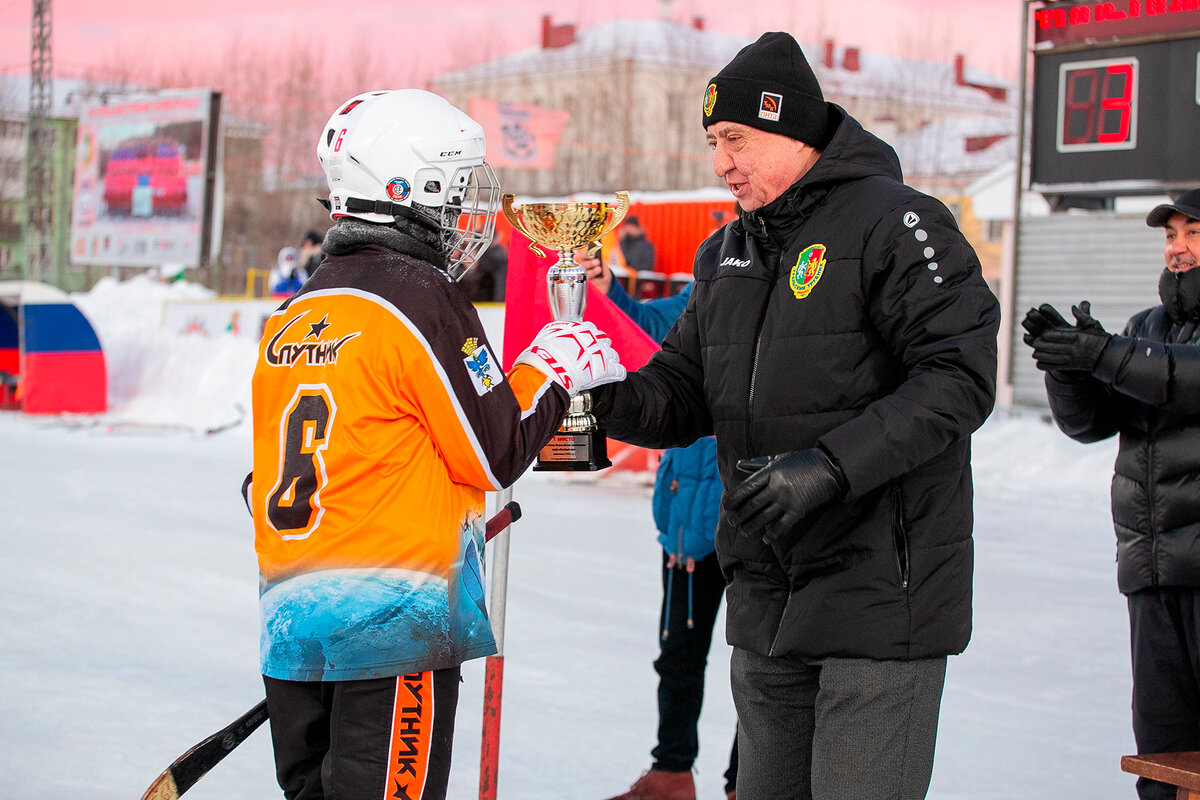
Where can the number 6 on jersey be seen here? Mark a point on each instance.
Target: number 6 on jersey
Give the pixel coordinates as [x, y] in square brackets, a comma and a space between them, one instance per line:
[293, 506]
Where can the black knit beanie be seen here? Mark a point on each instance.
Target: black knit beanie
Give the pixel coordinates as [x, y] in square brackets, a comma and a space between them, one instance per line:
[770, 86]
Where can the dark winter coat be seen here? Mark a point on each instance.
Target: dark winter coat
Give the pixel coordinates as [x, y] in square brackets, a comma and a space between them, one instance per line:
[849, 314]
[1146, 388]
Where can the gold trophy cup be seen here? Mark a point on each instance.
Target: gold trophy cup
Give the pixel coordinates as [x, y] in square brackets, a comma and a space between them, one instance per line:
[579, 444]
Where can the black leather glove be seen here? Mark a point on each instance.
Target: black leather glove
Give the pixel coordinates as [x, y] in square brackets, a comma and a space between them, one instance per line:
[782, 490]
[1041, 319]
[1072, 349]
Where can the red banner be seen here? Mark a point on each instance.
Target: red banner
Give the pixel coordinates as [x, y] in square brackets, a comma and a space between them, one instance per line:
[519, 136]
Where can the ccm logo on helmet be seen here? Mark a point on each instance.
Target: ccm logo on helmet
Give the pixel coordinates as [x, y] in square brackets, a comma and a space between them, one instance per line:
[450, 154]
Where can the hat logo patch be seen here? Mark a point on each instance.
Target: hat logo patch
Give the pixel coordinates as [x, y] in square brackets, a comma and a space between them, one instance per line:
[769, 105]
[398, 189]
[809, 267]
[710, 99]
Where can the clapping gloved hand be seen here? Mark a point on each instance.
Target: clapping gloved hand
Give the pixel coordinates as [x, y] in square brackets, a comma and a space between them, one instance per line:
[1061, 347]
[574, 354]
[782, 490]
[1041, 319]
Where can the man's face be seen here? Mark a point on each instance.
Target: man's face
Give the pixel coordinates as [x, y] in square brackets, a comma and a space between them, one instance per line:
[757, 166]
[1183, 243]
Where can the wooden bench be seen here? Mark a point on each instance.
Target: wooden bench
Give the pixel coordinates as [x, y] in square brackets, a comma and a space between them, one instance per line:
[1181, 770]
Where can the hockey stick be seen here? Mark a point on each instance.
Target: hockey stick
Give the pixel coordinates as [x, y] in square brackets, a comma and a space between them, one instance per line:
[196, 762]
[206, 754]
[502, 519]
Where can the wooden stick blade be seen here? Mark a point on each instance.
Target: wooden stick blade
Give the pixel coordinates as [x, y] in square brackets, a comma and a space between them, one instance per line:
[196, 762]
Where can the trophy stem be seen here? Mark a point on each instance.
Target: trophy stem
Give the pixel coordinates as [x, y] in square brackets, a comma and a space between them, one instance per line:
[566, 282]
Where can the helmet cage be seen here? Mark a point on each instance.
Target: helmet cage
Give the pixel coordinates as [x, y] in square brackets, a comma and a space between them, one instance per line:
[468, 219]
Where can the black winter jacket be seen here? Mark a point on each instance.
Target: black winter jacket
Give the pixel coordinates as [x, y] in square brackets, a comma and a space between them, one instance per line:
[849, 313]
[1146, 387]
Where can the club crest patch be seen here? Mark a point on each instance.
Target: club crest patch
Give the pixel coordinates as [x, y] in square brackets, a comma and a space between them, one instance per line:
[710, 99]
[769, 106]
[398, 189]
[807, 271]
[485, 375]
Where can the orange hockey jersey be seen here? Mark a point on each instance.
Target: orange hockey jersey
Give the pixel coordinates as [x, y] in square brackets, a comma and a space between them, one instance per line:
[381, 417]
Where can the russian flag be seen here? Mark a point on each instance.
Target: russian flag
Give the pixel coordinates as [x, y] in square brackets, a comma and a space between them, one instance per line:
[59, 361]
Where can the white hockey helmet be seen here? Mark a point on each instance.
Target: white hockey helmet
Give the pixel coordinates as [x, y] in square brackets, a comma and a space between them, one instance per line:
[408, 152]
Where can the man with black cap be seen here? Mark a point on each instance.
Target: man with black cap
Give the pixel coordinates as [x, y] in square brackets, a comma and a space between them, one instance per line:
[1145, 386]
[840, 341]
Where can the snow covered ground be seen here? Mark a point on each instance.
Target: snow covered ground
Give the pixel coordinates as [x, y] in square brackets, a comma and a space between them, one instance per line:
[128, 604]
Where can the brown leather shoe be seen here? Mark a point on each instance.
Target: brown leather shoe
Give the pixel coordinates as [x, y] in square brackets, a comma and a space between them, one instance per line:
[659, 784]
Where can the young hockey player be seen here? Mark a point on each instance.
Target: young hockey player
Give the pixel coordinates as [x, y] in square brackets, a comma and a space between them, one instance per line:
[381, 418]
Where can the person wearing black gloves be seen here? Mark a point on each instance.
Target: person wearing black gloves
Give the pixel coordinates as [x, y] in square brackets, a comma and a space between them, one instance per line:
[1065, 347]
[781, 491]
[1144, 385]
[840, 342]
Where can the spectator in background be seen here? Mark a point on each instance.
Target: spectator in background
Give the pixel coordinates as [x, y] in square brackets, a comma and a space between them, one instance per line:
[288, 276]
[637, 250]
[1144, 386]
[686, 504]
[310, 252]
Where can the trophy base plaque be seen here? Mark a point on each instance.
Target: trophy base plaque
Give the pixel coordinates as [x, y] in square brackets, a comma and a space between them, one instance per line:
[574, 451]
[579, 445]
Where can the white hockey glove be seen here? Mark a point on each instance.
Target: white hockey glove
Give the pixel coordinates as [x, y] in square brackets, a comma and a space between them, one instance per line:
[574, 354]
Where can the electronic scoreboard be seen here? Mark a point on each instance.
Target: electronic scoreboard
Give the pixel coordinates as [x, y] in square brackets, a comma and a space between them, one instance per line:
[1116, 97]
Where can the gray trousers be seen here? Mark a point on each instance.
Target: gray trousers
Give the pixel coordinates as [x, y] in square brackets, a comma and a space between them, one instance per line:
[835, 728]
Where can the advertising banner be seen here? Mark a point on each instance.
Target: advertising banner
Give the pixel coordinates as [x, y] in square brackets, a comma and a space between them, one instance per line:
[144, 172]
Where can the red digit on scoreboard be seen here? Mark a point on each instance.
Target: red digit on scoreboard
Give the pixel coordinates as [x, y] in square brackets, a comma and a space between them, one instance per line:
[1079, 106]
[1121, 103]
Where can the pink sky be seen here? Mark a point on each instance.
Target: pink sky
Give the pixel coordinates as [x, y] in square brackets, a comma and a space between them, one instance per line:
[419, 39]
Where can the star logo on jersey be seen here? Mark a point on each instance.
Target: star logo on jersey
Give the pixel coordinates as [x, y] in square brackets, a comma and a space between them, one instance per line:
[283, 353]
[807, 271]
[316, 328]
[485, 375]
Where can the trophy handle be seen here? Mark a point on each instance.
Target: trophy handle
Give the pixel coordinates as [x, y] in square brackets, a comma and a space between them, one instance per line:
[506, 202]
[618, 215]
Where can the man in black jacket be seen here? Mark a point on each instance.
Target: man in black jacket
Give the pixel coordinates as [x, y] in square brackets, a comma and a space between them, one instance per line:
[1145, 386]
[840, 341]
